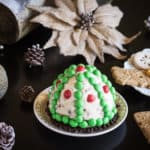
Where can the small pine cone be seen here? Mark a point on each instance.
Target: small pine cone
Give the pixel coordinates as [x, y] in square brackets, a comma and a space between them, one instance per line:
[27, 93]
[147, 23]
[35, 56]
[7, 136]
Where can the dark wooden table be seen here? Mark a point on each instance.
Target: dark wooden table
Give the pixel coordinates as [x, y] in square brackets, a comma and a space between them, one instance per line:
[30, 134]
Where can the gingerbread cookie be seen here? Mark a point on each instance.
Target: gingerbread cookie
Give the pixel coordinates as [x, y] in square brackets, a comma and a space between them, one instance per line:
[141, 60]
[143, 121]
[132, 77]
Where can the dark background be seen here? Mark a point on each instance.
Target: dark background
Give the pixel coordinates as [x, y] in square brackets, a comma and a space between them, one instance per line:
[30, 134]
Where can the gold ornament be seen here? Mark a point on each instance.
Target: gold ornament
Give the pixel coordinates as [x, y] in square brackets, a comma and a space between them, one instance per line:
[82, 27]
[147, 72]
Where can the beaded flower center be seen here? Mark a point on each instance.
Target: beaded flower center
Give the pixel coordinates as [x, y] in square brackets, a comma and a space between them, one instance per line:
[87, 21]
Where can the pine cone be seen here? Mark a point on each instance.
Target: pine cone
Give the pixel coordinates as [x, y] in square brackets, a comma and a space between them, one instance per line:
[27, 93]
[7, 136]
[147, 23]
[35, 56]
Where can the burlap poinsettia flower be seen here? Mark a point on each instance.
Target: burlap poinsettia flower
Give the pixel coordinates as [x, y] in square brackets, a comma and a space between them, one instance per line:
[83, 27]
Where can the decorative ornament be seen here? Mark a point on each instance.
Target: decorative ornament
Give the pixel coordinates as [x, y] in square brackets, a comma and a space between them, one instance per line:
[35, 56]
[1, 47]
[7, 136]
[1, 50]
[3, 81]
[82, 27]
[147, 23]
[27, 93]
[147, 72]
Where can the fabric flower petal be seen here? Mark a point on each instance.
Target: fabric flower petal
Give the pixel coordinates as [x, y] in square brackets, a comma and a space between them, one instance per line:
[52, 41]
[96, 46]
[49, 21]
[108, 15]
[66, 4]
[107, 49]
[84, 35]
[76, 36]
[89, 55]
[95, 31]
[79, 35]
[86, 6]
[114, 37]
[66, 43]
[64, 15]
[40, 9]
[67, 47]
[80, 7]
[90, 5]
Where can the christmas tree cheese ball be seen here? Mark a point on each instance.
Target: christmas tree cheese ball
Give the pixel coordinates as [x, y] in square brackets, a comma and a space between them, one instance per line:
[82, 97]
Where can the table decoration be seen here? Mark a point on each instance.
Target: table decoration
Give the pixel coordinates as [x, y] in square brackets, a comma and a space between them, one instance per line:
[3, 81]
[83, 27]
[7, 136]
[27, 93]
[147, 23]
[34, 56]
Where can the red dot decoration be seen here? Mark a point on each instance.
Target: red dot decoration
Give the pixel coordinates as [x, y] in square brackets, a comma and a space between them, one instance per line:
[80, 68]
[67, 94]
[90, 98]
[106, 88]
[57, 82]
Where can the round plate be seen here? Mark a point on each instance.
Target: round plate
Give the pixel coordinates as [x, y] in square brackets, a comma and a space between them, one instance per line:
[128, 65]
[40, 106]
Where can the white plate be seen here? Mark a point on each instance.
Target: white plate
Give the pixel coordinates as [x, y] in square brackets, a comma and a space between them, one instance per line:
[40, 107]
[128, 65]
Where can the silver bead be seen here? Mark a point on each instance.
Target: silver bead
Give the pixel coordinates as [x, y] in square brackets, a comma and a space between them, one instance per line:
[1, 47]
